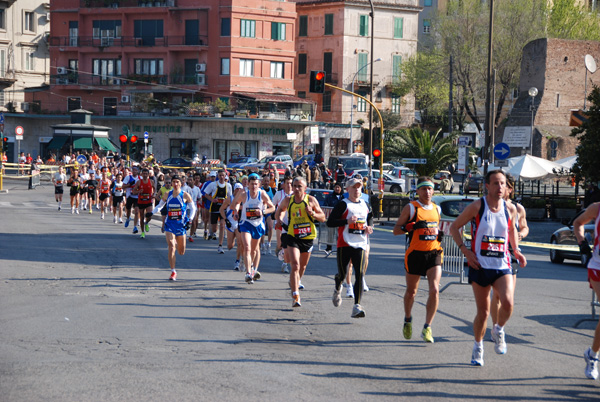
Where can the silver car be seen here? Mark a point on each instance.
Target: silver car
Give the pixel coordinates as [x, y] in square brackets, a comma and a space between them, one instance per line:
[391, 184]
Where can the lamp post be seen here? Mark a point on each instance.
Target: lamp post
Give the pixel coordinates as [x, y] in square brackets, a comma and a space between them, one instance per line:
[352, 90]
[533, 91]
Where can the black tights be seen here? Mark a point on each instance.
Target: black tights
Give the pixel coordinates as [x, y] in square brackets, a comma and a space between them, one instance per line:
[357, 256]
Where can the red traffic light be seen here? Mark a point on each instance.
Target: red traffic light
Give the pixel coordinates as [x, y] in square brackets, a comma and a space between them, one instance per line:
[320, 76]
[134, 138]
[376, 153]
[5, 139]
[123, 138]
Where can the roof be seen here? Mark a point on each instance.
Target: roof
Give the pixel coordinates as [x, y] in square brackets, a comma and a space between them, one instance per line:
[260, 97]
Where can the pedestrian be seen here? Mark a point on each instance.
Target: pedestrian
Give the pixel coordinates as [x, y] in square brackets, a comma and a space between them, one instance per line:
[303, 210]
[331, 201]
[58, 179]
[420, 221]
[593, 267]
[493, 229]
[340, 174]
[354, 219]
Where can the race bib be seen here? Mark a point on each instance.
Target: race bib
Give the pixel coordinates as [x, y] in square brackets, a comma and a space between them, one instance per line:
[302, 230]
[430, 232]
[253, 213]
[59, 183]
[493, 246]
[175, 214]
[219, 200]
[357, 227]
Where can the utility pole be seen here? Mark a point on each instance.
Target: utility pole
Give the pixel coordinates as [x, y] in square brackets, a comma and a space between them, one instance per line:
[450, 102]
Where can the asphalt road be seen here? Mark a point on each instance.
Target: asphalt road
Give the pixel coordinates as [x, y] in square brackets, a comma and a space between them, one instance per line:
[87, 314]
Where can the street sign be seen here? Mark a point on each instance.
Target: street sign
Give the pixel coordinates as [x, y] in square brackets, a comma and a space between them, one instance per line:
[464, 141]
[146, 135]
[1, 118]
[501, 163]
[501, 151]
[413, 161]
[81, 159]
[19, 133]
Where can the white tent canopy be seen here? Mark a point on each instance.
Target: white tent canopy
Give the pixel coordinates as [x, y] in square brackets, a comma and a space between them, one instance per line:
[567, 162]
[529, 167]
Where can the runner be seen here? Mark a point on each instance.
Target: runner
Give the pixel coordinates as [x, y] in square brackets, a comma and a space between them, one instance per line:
[197, 197]
[117, 198]
[280, 231]
[493, 228]
[265, 246]
[522, 232]
[83, 195]
[302, 210]
[91, 184]
[354, 220]
[144, 189]
[131, 199]
[58, 179]
[104, 193]
[592, 212]
[75, 183]
[180, 210]
[232, 229]
[216, 192]
[420, 220]
[206, 203]
[255, 204]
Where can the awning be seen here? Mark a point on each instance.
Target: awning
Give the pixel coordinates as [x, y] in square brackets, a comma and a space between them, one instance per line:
[273, 98]
[82, 143]
[105, 144]
[57, 142]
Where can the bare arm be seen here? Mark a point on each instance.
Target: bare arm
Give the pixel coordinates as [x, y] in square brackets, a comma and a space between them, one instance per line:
[314, 209]
[267, 201]
[513, 236]
[523, 228]
[235, 205]
[402, 220]
[465, 217]
[590, 213]
[283, 206]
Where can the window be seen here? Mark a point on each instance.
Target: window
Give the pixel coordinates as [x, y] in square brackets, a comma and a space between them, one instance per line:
[106, 69]
[302, 94]
[277, 31]
[225, 66]
[28, 21]
[328, 64]
[73, 103]
[301, 63]
[225, 26]
[427, 3]
[303, 25]
[182, 147]
[557, 100]
[361, 104]
[426, 26]
[72, 74]
[2, 99]
[148, 31]
[2, 20]
[247, 28]
[28, 59]
[362, 67]
[328, 24]
[363, 25]
[326, 107]
[73, 33]
[105, 29]
[148, 66]
[338, 146]
[2, 65]
[398, 28]
[276, 69]
[246, 68]
[110, 106]
[396, 68]
[396, 104]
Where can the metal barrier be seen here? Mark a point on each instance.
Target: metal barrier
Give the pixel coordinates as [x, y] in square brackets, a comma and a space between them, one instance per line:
[326, 236]
[595, 303]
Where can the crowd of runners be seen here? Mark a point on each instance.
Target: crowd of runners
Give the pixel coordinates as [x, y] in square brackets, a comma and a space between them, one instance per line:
[244, 210]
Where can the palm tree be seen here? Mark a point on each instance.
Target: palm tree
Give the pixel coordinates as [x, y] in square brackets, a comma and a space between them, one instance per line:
[416, 143]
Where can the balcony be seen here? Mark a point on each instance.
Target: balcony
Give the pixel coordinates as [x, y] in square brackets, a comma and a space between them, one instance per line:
[125, 3]
[364, 80]
[331, 78]
[129, 41]
[6, 82]
[392, 80]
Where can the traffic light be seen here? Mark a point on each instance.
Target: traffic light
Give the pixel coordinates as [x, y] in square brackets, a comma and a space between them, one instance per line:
[376, 156]
[4, 143]
[128, 141]
[317, 82]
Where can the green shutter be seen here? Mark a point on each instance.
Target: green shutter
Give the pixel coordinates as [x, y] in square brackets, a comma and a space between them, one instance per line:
[364, 25]
[397, 66]
[328, 24]
[362, 62]
[398, 28]
[303, 25]
[274, 30]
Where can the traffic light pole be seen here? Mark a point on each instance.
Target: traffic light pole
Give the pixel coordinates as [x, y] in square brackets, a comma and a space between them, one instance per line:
[381, 143]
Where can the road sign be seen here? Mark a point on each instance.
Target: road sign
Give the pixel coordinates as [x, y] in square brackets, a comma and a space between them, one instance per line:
[1, 118]
[501, 151]
[81, 159]
[145, 135]
[414, 161]
[19, 133]
[464, 141]
[501, 163]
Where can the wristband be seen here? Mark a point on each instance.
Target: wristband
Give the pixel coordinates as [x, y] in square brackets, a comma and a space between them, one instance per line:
[460, 245]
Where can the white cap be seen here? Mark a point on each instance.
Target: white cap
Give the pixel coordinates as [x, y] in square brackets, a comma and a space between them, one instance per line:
[213, 173]
[238, 185]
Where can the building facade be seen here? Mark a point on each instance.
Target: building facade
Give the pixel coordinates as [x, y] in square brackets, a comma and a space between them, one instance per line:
[24, 28]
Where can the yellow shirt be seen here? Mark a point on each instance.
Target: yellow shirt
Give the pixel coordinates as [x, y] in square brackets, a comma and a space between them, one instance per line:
[301, 225]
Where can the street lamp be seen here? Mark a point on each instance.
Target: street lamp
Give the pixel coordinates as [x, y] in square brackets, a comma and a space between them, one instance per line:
[533, 91]
[352, 90]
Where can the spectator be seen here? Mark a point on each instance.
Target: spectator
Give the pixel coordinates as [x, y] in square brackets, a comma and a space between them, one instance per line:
[315, 177]
[340, 174]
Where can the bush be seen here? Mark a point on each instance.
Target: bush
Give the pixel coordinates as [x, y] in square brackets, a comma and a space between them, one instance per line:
[534, 202]
[566, 203]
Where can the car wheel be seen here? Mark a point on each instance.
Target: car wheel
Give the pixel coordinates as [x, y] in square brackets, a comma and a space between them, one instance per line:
[395, 189]
[555, 256]
[584, 260]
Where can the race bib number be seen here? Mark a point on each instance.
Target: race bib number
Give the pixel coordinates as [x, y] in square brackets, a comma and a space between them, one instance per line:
[59, 183]
[175, 214]
[430, 232]
[493, 246]
[302, 230]
[357, 227]
[219, 200]
[253, 213]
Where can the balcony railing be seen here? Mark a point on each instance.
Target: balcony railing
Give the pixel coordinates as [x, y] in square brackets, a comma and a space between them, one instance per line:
[364, 81]
[99, 80]
[125, 3]
[128, 41]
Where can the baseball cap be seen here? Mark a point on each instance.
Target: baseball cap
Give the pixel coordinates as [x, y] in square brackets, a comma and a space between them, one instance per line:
[213, 173]
[353, 181]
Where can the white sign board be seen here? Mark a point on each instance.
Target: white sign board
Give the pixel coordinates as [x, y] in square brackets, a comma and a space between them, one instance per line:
[462, 160]
[501, 163]
[292, 136]
[314, 135]
[517, 136]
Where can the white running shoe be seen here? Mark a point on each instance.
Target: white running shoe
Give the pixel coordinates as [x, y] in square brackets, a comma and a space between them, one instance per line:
[220, 250]
[365, 287]
[337, 297]
[591, 368]
[284, 268]
[120, 220]
[102, 215]
[249, 279]
[77, 211]
[236, 266]
[115, 220]
[477, 356]
[349, 291]
[498, 337]
[269, 249]
[357, 311]
[263, 249]
[73, 211]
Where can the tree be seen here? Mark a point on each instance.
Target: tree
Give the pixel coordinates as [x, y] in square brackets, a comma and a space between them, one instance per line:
[589, 141]
[569, 19]
[416, 143]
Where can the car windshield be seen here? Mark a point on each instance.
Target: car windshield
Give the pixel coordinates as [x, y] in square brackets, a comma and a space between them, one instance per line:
[454, 208]
[267, 159]
[320, 195]
[357, 163]
[240, 159]
[304, 158]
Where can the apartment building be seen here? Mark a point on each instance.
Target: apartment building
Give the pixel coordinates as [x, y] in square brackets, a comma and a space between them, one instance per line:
[24, 27]
[335, 36]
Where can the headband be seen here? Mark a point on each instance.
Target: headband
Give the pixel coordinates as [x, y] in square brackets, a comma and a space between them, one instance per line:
[253, 176]
[425, 183]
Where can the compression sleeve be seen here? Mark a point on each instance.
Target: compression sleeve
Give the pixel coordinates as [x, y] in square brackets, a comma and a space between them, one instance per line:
[192, 207]
[159, 206]
[335, 218]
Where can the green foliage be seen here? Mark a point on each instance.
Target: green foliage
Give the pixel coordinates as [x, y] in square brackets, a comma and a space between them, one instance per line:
[416, 143]
[569, 19]
[589, 141]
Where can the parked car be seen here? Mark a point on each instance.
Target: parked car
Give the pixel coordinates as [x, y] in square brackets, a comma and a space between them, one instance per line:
[565, 236]
[320, 194]
[437, 178]
[178, 162]
[349, 163]
[472, 184]
[391, 184]
[279, 166]
[241, 161]
[451, 206]
[310, 159]
[286, 159]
